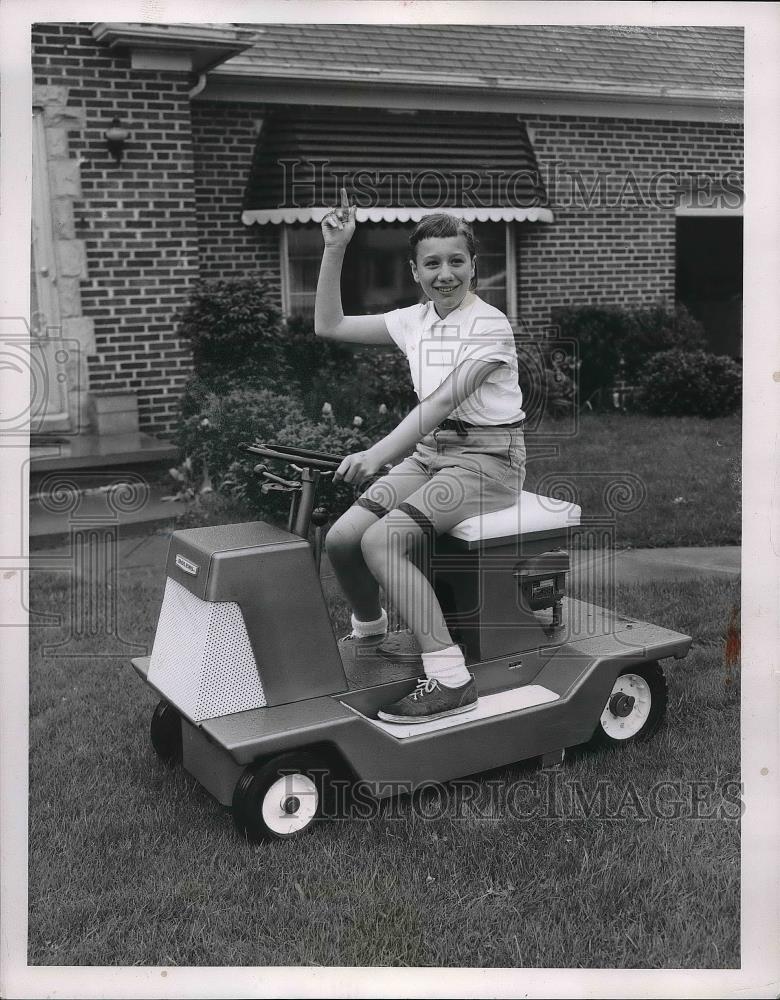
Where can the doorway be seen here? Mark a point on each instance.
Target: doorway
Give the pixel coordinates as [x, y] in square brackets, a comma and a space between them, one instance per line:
[708, 279]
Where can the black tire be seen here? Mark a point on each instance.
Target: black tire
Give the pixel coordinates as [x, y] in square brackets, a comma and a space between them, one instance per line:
[166, 733]
[280, 798]
[622, 723]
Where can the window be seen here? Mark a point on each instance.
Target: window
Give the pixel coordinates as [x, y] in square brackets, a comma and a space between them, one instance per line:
[376, 275]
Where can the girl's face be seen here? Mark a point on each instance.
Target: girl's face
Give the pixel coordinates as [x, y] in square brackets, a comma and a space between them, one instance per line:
[443, 269]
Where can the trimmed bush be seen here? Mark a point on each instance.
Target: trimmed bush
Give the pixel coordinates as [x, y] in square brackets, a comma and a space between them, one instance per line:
[689, 383]
[216, 426]
[235, 329]
[614, 342]
[657, 329]
[600, 332]
[354, 379]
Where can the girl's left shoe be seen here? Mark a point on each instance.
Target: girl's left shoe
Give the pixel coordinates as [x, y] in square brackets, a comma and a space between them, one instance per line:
[400, 646]
[432, 700]
[366, 643]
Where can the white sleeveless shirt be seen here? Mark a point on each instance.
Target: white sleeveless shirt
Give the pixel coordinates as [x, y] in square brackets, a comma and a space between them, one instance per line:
[434, 347]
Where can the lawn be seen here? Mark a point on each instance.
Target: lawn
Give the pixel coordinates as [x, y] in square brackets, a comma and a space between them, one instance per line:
[132, 863]
[654, 481]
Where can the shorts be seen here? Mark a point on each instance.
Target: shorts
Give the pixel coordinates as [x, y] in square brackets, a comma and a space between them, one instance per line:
[451, 477]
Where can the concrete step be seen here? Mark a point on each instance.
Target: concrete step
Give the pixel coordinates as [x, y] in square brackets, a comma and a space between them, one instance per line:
[91, 460]
[128, 507]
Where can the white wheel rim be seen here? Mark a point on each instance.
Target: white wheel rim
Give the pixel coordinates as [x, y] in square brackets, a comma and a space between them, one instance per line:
[624, 727]
[283, 791]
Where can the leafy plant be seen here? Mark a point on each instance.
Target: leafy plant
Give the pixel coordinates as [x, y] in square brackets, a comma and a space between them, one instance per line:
[614, 342]
[234, 327]
[689, 383]
[217, 425]
[658, 329]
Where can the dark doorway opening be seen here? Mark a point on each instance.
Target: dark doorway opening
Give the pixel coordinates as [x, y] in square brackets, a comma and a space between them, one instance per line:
[708, 277]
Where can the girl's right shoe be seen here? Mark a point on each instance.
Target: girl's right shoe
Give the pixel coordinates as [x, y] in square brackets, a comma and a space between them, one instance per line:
[432, 700]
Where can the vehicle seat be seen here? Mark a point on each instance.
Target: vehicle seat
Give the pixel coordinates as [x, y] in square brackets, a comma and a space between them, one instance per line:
[531, 515]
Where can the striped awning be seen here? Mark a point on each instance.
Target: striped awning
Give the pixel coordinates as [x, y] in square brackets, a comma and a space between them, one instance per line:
[396, 167]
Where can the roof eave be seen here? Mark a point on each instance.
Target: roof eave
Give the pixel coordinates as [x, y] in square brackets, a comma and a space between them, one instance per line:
[526, 87]
[205, 47]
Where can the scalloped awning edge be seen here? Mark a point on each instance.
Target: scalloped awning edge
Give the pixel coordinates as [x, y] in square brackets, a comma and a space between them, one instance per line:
[398, 214]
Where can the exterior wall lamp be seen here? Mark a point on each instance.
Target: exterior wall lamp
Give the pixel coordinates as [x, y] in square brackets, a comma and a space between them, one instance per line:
[116, 136]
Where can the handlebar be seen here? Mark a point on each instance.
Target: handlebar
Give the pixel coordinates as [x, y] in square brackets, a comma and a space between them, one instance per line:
[312, 464]
[301, 456]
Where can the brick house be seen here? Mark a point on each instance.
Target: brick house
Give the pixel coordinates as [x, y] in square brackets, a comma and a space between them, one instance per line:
[600, 166]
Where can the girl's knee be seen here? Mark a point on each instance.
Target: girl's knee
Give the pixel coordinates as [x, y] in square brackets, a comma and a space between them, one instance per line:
[344, 536]
[382, 539]
[373, 544]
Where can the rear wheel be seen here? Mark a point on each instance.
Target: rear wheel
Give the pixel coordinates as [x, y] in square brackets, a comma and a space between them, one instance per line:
[166, 733]
[635, 708]
[280, 798]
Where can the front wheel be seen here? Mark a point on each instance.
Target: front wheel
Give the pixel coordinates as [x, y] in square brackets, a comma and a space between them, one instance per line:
[278, 799]
[635, 707]
[166, 733]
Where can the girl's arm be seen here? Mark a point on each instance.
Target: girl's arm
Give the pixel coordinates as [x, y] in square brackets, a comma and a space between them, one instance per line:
[329, 320]
[427, 415]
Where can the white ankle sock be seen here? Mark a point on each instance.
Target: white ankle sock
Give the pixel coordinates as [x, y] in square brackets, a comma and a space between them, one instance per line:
[364, 629]
[446, 666]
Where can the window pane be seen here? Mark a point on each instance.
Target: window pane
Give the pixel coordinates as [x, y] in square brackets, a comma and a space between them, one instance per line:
[376, 276]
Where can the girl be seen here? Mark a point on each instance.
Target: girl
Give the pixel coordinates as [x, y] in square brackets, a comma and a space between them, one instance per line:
[465, 435]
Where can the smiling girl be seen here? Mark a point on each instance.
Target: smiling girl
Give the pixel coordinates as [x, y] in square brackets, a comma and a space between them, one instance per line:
[463, 442]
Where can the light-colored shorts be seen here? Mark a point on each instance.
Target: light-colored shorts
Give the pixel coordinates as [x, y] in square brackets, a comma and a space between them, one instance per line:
[451, 477]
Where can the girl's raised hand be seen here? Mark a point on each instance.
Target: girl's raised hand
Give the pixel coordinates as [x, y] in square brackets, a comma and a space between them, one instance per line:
[338, 226]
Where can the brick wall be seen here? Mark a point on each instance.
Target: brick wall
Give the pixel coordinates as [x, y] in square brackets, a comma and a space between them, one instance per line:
[136, 219]
[613, 250]
[170, 212]
[224, 138]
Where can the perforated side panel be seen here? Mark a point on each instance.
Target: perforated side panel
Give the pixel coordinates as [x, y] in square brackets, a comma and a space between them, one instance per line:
[229, 680]
[202, 660]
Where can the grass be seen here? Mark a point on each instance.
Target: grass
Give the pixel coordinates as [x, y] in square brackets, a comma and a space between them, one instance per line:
[132, 863]
[681, 476]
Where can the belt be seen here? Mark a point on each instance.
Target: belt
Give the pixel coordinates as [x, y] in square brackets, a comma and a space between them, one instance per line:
[463, 428]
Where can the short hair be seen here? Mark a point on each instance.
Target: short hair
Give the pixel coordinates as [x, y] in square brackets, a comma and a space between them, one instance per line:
[441, 225]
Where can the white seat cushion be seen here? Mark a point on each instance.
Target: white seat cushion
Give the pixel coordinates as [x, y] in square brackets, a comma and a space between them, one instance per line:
[531, 513]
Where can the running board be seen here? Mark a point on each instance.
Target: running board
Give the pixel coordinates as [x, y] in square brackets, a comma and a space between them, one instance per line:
[488, 706]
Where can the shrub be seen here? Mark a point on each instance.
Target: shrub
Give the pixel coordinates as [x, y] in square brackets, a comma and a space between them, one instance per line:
[615, 342]
[312, 363]
[600, 332]
[233, 327]
[355, 380]
[215, 427]
[657, 329]
[548, 379]
[689, 383]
